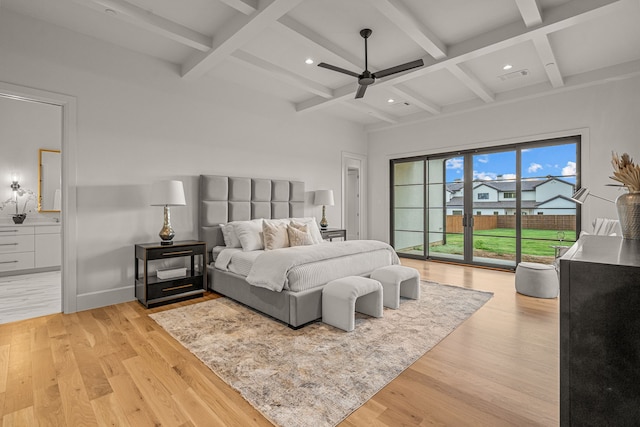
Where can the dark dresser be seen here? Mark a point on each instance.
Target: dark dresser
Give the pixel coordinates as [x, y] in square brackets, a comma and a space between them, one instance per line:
[600, 333]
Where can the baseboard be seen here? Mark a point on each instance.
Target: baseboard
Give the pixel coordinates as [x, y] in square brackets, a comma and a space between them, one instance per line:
[104, 298]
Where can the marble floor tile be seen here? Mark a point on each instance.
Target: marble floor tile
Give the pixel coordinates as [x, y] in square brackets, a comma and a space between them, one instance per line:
[30, 295]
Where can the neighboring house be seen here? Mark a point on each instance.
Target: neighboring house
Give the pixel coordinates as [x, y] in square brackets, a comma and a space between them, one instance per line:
[550, 196]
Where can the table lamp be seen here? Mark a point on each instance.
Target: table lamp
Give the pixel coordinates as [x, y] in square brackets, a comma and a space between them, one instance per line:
[167, 193]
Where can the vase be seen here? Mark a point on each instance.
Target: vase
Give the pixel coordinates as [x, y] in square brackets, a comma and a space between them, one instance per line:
[19, 218]
[628, 206]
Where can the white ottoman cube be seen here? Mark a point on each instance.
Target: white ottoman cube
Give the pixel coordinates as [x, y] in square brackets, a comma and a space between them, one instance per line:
[397, 281]
[341, 298]
[537, 280]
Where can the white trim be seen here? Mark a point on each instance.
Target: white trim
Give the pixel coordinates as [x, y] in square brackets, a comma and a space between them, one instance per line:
[69, 166]
[361, 160]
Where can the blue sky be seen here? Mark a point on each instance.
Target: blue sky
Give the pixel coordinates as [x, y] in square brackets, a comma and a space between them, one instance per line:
[558, 160]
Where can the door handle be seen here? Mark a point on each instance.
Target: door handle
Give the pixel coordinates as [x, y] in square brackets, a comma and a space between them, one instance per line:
[464, 220]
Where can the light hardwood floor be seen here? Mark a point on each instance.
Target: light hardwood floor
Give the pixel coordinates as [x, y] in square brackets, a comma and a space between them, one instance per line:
[115, 366]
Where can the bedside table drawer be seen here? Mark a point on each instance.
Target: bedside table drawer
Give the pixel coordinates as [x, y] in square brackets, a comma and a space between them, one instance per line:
[171, 252]
[174, 287]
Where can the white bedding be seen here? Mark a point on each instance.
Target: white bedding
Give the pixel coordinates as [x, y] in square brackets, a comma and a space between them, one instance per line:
[304, 267]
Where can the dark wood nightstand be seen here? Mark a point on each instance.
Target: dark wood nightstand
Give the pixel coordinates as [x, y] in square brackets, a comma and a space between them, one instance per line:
[334, 233]
[152, 291]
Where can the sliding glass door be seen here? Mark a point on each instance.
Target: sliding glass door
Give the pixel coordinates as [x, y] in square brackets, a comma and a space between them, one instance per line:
[493, 207]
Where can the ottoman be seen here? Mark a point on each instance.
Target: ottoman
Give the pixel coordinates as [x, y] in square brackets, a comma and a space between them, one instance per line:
[537, 280]
[341, 298]
[397, 281]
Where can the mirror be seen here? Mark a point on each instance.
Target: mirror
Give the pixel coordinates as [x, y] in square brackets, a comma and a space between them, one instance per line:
[49, 172]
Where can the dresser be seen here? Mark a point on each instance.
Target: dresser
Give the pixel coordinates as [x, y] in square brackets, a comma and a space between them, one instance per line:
[26, 248]
[600, 332]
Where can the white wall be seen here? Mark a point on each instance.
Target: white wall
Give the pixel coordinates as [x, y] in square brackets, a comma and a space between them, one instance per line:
[606, 115]
[25, 127]
[138, 122]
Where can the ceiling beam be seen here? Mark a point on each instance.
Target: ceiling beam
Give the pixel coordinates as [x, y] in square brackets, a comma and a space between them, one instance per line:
[367, 109]
[235, 34]
[472, 82]
[291, 28]
[404, 19]
[530, 11]
[414, 99]
[548, 59]
[244, 6]
[556, 19]
[282, 74]
[144, 19]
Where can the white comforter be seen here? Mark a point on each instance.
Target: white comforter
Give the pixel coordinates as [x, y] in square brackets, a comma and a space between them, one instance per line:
[270, 269]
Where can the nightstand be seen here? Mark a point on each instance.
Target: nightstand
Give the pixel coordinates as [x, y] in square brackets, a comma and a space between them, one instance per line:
[152, 291]
[334, 233]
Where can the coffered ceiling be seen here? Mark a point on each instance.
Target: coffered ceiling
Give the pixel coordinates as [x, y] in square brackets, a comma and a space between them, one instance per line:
[551, 45]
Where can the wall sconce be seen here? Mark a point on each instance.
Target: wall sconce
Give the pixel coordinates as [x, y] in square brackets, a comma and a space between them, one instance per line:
[324, 198]
[14, 182]
[167, 193]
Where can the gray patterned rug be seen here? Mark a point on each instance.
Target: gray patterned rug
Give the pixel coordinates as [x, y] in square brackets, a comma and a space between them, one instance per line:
[317, 375]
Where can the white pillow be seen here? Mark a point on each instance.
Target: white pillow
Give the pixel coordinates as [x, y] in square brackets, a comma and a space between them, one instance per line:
[299, 235]
[229, 234]
[312, 227]
[274, 234]
[250, 234]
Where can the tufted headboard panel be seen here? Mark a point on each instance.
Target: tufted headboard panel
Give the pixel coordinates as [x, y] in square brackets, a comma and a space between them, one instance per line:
[224, 199]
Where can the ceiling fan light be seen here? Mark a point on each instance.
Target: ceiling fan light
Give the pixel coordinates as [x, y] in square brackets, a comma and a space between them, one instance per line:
[308, 61]
[507, 67]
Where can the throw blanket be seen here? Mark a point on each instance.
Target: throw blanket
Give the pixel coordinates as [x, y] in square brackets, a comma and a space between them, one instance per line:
[271, 268]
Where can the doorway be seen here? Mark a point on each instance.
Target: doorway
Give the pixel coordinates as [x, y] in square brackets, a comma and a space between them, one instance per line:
[354, 195]
[67, 104]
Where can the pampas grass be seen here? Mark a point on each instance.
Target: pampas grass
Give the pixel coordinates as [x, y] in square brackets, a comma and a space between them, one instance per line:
[626, 172]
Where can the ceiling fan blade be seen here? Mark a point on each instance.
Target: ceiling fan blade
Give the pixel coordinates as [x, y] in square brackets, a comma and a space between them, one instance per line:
[338, 69]
[399, 68]
[360, 92]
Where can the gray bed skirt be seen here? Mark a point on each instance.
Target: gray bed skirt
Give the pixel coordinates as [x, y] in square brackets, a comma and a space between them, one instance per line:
[293, 308]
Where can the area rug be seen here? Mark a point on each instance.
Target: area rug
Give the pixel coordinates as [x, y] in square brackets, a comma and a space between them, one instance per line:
[317, 375]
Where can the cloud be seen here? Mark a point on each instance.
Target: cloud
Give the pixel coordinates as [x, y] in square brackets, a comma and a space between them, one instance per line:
[570, 169]
[509, 176]
[484, 176]
[484, 159]
[534, 167]
[455, 163]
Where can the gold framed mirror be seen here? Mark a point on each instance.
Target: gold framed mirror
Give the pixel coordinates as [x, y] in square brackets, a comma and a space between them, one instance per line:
[49, 180]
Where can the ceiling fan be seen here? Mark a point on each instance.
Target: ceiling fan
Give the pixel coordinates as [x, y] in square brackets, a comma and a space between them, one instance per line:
[367, 77]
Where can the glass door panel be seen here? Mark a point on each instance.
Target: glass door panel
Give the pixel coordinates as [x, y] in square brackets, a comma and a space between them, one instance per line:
[493, 208]
[548, 223]
[409, 207]
[445, 196]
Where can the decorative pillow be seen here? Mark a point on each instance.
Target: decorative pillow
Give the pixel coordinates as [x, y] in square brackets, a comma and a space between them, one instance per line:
[250, 234]
[275, 234]
[299, 236]
[312, 226]
[229, 236]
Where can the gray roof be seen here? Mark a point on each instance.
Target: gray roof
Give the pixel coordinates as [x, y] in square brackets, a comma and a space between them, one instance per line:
[510, 185]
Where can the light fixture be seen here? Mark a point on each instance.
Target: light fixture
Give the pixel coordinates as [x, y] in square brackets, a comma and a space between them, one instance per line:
[507, 67]
[14, 182]
[167, 193]
[308, 61]
[581, 195]
[324, 198]
[391, 100]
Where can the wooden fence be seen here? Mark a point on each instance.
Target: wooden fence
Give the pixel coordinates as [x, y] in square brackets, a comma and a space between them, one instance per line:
[489, 222]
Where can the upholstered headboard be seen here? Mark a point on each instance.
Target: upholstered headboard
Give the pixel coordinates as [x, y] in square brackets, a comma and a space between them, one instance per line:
[224, 199]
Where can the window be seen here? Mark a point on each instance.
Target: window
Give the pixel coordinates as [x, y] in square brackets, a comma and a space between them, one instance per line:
[456, 212]
[496, 213]
[478, 212]
[540, 213]
[483, 196]
[509, 195]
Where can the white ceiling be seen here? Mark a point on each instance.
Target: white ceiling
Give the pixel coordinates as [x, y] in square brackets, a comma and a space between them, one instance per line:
[262, 44]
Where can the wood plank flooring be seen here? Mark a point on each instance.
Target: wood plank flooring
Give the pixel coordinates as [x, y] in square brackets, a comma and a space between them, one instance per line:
[115, 366]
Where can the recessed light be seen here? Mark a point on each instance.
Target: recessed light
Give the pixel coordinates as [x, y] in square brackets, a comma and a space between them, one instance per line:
[110, 12]
[507, 67]
[308, 61]
[391, 101]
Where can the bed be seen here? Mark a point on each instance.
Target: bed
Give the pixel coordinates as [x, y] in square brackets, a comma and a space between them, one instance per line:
[289, 285]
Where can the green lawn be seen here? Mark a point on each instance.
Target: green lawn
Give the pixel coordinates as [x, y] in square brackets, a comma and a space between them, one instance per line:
[501, 241]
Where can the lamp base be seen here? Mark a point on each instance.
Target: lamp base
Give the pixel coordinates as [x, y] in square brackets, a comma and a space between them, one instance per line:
[166, 233]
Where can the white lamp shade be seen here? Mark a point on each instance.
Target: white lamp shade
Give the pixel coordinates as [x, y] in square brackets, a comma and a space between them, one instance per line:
[323, 197]
[167, 193]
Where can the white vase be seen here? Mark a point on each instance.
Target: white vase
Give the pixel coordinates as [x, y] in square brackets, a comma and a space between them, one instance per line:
[628, 206]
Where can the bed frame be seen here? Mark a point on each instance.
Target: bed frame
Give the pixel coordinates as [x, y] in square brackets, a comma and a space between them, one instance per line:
[224, 199]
